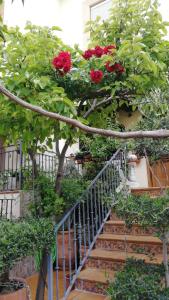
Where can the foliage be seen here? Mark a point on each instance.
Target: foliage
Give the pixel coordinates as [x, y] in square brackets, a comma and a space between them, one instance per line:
[138, 281]
[153, 119]
[92, 169]
[45, 201]
[137, 29]
[143, 210]
[147, 212]
[26, 71]
[22, 238]
[71, 190]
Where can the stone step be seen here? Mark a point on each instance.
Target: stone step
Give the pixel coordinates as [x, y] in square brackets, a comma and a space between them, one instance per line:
[114, 260]
[129, 243]
[114, 217]
[94, 280]
[118, 227]
[82, 295]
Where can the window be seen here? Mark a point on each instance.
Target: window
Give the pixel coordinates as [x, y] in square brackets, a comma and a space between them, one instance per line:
[101, 9]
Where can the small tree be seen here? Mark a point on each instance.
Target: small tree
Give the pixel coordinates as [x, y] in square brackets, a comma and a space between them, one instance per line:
[19, 239]
[148, 212]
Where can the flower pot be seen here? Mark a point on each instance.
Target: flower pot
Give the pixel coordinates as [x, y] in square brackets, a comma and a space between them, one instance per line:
[67, 253]
[20, 294]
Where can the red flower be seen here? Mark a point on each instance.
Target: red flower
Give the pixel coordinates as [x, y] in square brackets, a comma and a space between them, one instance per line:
[119, 68]
[98, 51]
[88, 54]
[107, 49]
[62, 61]
[109, 68]
[96, 76]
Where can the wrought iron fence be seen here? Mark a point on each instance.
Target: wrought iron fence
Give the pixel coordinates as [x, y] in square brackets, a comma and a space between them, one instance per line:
[15, 166]
[77, 232]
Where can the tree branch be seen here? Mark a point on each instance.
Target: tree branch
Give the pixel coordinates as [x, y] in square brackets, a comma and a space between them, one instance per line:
[162, 133]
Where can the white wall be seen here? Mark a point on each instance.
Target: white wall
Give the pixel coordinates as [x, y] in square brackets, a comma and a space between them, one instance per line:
[67, 14]
[141, 173]
[70, 15]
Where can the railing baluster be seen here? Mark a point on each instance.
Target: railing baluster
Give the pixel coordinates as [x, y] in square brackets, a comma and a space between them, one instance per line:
[88, 220]
[69, 250]
[57, 268]
[84, 228]
[92, 212]
[75, 239]
[79, 234]
[95, 210]
[63, 258]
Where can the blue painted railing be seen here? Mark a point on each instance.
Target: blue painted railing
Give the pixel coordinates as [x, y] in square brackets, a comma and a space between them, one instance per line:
[77, 232]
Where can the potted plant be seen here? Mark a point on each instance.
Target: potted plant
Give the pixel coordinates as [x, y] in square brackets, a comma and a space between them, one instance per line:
[19, 239]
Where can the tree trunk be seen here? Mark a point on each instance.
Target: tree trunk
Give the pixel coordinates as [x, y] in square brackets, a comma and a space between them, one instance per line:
[165, 259]
[4, 278]
[40, 291]
[60, 174]
[34, 164]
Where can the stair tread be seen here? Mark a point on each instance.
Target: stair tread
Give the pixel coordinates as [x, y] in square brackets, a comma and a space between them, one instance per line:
[96, 275]
[120, 222]
[115, 222]
[131, 238]
[82, 295]
[122, 255]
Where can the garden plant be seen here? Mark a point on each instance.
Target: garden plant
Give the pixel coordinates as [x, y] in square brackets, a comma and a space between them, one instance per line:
[148, 212]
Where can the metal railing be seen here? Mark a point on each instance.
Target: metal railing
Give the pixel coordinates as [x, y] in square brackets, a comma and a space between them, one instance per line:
[15, 166]
[77, 232]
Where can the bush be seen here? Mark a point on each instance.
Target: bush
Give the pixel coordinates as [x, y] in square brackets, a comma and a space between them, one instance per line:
[19, 239]
[46, 202]
[72, 189]
[138, 281]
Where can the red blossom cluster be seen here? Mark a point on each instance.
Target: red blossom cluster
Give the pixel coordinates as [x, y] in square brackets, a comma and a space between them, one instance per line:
[62, 62]
[98, 51]
[118, 68]
[96, 76]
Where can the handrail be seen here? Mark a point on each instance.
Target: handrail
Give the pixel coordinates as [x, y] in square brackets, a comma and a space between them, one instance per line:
[77, 232]
[57, 226]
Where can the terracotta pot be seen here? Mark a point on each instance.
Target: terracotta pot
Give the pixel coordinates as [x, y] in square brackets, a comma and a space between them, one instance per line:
[67, 243]
[21, 294]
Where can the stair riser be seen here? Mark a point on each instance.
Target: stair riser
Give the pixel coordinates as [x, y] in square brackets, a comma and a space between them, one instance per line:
[113, 217]
[109, 265]
[90, 286]
[131, 247]
[121, 229]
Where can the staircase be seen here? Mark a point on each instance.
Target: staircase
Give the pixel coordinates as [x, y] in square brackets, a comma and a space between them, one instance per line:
[92, 244]
[113, 246]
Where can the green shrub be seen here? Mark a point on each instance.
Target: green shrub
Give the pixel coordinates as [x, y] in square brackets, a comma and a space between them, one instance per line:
[45, 201]
[72, 189]
[19, 239]
[138, 281]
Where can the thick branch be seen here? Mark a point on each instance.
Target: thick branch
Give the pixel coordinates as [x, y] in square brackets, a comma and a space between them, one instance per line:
[162, 133]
